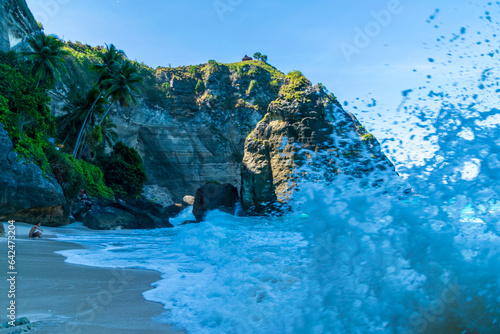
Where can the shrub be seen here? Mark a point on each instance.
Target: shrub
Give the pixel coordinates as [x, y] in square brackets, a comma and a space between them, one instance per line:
[24, 110]
[368, 137]
[124, 171]
[295, 83]
[93, 178]
[67, 176]
[200, 87]
[193, 69]
[165, 87]
[33, 151]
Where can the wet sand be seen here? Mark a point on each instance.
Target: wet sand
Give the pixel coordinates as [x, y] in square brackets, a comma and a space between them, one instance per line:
[58, 297]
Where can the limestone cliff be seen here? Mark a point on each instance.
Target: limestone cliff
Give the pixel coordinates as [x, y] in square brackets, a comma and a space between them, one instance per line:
[16, 22]
[198, 135]
[190, 123]
[303, 122]
[26, 194]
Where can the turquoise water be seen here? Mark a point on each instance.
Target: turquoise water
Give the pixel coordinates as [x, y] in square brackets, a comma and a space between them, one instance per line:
[363, 262]
[347, 259]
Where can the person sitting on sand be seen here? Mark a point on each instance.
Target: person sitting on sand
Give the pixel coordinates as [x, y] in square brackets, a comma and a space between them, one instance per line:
[34, 233]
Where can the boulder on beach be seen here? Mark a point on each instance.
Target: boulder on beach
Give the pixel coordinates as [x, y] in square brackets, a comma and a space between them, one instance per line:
[214, 196]
[107, 215]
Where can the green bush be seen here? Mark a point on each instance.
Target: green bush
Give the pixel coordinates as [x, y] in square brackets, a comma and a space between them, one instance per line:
[193, 69]
[24, 110]
[67, 176]
[93, 178]
[296, 82]
[124, 171]
[33, 151]
[5, 113]
[74, 175]
[200, 87]
[368, 137]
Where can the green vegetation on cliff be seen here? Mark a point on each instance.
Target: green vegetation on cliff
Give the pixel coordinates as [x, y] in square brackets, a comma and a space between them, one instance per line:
[46, 57]
[124, 171]
[181, 83]
[295, 83]
[24, 109]
[194, 84]
[25, 81]
[93, 179]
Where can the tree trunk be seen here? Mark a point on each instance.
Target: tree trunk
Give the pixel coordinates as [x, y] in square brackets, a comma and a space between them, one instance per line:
[105, 114]
[79, 138]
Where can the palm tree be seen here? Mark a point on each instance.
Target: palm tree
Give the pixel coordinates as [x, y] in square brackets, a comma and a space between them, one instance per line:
[109, 135]
[47, 57]
[110, 63]
[122, 86]
[82, 111]
[106, 70]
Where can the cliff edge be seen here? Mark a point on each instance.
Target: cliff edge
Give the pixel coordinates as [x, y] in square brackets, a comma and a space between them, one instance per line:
[16, 23]
[302, 125]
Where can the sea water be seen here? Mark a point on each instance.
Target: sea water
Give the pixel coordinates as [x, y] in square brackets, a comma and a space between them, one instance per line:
[347, 258]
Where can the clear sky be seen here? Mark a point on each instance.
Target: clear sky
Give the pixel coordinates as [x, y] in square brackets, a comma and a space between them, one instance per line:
[366, 49]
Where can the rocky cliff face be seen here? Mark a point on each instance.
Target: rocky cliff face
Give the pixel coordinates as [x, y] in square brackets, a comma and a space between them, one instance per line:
[198, 135]
[25, 193]
[191, 123]
[304, 123]
[16, 22]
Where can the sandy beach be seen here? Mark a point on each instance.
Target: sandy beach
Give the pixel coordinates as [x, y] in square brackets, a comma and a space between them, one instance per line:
[58, 297]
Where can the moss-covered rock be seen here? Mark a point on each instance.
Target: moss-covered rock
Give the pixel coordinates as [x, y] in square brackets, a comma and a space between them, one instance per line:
[302, 121]
[26, 194]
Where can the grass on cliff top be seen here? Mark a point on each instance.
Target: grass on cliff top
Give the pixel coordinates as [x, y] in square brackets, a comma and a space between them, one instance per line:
[243, 68]
[295, 83]
[182, 72]
[246, 67]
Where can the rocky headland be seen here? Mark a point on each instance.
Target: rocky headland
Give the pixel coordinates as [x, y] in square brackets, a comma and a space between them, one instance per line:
[305, 121]
[244, 124]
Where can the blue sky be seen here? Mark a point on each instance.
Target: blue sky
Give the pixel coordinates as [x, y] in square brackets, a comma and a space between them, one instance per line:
[313, 36]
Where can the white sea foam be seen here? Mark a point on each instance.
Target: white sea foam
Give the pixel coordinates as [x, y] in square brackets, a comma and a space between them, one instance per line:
[348, 259]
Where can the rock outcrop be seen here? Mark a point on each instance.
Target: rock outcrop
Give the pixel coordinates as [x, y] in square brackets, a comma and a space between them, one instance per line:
[16, 23]
[302, 123]
[25, 193]
[199, 133]
[2, 231]
[191, 123]
[108, 215]
[214, 196]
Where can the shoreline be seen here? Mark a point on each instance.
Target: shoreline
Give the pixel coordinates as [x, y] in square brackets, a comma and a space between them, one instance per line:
[60, 297]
